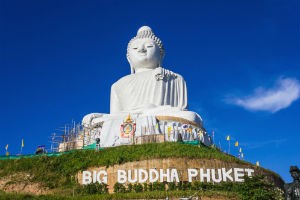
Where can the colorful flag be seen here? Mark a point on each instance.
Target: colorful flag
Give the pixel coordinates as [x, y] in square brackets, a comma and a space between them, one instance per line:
[257, 163]
[22, 142]
[236, 144]
[228, 138]
[200, 133]
[242, 155]
[6, 147]
[240, 150]
[156, 126]
[169, 130]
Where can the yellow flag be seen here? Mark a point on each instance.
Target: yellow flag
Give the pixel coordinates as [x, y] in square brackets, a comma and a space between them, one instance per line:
[257, 163]
[22, 142]
[156, 126]
[169, 130]
[236, 144]
[240, 149]
[200, 133]
[6, 147]
[228, 138]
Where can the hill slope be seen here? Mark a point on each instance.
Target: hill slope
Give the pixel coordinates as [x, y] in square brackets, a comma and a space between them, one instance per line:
[48, 175]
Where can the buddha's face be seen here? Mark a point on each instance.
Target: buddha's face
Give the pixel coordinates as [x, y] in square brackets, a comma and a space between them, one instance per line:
[144, 54]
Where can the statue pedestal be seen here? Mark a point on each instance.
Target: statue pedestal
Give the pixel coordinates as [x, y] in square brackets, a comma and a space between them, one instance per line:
[139, 128]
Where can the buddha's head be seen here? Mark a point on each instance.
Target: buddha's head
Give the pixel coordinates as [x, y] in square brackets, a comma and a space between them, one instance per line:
[145, 51]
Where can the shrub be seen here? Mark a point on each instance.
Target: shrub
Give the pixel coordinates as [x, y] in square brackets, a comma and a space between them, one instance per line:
[93, 188]
[158, 186]
[186, 185]
[179, 185]
[150, 186]
[138, 187]
[146, 187]
[119, 188]
[257, 188]
[171, 186]
[129, 187]
[197, 185]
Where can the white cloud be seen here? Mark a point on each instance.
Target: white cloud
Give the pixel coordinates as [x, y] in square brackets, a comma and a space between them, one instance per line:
[282, 95]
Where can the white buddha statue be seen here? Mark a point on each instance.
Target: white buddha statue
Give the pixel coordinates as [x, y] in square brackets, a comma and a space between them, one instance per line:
[150, 89]
[149, 85]
[149, 93]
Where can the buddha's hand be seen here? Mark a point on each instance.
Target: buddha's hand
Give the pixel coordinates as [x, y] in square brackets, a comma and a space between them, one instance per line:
[88, 120]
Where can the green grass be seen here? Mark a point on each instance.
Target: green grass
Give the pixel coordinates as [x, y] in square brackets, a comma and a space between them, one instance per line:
[59, 172]
[120, 196]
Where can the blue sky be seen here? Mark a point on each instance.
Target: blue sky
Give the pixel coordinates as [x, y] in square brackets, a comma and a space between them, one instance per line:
[240, 60]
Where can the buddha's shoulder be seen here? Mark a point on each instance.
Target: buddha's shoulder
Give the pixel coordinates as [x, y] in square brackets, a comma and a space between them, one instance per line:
[122, 81]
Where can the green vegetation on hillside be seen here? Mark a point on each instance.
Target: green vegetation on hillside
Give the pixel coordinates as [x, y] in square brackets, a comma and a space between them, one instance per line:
[121, 196]
[59, 172]
[252, 189]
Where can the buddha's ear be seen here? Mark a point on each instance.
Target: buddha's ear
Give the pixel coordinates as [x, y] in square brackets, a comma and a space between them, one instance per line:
[132, 70]
[131, 67]
[128, 59]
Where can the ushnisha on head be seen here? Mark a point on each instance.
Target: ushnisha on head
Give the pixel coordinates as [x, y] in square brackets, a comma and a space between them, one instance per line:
[145, 51]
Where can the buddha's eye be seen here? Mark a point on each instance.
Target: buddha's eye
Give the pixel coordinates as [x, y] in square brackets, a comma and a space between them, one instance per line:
[149, 46]
[135, 48]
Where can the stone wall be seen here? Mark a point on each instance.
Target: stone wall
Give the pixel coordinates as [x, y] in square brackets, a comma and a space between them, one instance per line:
[181, 164]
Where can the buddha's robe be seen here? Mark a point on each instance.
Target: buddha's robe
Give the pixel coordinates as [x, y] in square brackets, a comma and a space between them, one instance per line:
[149, 89]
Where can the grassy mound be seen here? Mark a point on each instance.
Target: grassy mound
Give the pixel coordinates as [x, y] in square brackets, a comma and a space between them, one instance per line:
[58, 173]
[146, 195]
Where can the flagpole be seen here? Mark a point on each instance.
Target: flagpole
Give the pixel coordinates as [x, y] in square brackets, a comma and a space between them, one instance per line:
[6, 150]
[22, 145]
[229, 146]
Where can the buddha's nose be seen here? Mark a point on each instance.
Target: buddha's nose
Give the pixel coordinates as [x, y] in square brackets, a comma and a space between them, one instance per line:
[142, 49]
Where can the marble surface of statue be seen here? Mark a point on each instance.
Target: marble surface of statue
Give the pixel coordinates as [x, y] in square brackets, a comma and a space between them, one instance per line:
[149, 89]
[154, 97]
[149, 85]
